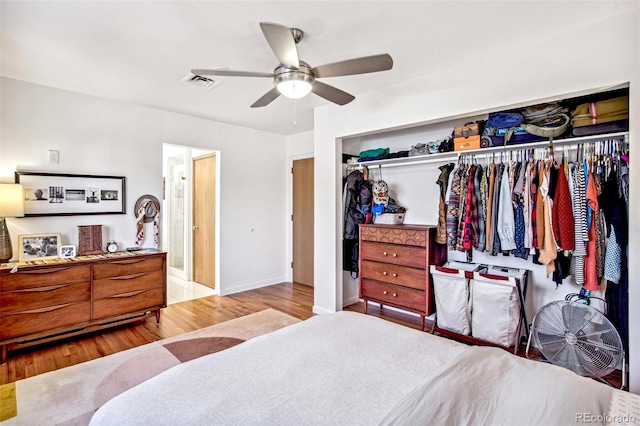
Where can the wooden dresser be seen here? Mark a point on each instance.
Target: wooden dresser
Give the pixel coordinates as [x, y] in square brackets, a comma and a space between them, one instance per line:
[42, 302]
[394, 266]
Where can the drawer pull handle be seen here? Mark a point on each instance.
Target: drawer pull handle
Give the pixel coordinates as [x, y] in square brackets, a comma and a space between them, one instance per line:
[384, 273]
[385, 292]
[128, 277]
[395, 255]
[384, 253]
[45, 309]
[128, 261]
[131, 294]
[45, 271]
[42, 289]
[395, 294]
[395, 275]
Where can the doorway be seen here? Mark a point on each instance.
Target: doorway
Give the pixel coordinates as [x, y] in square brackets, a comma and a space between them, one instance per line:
[303, 221]
[177, 208]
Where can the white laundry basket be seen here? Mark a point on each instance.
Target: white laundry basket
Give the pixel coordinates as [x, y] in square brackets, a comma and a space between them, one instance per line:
[451, 290]
[496, 305]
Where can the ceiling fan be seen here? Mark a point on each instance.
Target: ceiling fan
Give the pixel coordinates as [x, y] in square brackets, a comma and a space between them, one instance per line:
[294, 78]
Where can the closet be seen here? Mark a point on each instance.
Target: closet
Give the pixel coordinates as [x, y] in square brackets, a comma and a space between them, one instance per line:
[413, 184]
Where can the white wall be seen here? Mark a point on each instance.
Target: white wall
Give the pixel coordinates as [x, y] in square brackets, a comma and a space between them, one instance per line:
[299, 146]
[561, 66]
[97, 136]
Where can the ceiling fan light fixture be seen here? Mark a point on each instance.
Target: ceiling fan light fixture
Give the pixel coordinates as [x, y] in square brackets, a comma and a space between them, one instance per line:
[294, 89]
[294, 83]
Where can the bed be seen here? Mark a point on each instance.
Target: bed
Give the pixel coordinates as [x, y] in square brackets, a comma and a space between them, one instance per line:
[353, 369]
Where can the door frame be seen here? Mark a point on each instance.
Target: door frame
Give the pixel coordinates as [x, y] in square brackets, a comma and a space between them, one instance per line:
[289, 254]
[190, 153]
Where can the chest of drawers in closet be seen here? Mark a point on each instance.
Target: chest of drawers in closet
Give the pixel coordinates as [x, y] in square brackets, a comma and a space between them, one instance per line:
[394, 266]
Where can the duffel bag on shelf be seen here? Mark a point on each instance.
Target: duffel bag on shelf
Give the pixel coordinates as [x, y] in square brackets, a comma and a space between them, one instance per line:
[506, 128]
[601, 112]
[607, 116]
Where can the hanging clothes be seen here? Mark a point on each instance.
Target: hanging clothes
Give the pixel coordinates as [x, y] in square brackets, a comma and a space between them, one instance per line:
[443, 182]
[562, 213]
[590, 270]
[453, 206]
[506, 225]
[548, 251]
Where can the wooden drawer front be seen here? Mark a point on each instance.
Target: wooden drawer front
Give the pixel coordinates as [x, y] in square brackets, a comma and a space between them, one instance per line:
[414, 257]
[44, 276]
[42, 297]
[394, 274]
[115, 286]
[130, 302]
[395, 235]
[127, 267]
[393, 294]
[43, 319]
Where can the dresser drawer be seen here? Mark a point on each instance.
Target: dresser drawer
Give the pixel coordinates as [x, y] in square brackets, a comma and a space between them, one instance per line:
[395, 234]
[414, 257]
[127, 267]
[43, 276]
[35, 321]
[114, 286]
[394, 274]
[393, 294]
[42, 297]
[130, 302]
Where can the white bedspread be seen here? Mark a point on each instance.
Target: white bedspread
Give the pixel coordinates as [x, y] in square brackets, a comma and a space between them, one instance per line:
[352, 369]
[344, 368]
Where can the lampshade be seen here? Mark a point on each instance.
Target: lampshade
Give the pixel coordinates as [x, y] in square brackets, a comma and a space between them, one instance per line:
[11, 200]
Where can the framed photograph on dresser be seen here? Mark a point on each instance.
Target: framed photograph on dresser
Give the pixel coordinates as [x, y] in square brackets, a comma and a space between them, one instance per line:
[62, 194]
[38, 246]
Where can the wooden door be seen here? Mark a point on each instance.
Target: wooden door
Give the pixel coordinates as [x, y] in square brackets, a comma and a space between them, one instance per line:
[303, 221]
[204, 210]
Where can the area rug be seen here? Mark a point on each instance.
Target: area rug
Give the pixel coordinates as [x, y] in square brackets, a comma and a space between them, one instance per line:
[71, 395]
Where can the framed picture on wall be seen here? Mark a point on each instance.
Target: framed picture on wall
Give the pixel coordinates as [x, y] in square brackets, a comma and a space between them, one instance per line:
[38, 246]
[59, 194]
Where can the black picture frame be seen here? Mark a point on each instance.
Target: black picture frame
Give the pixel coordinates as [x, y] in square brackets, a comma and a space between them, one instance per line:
[64, 194]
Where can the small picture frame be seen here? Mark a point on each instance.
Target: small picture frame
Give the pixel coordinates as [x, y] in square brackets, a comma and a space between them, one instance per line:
[67, 252]
[38, 246]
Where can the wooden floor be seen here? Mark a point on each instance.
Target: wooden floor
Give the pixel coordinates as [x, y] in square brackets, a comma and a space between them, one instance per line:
[293, 299]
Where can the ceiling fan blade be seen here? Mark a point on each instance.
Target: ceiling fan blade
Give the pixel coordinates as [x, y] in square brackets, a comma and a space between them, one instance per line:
[332, 94]
[282, 43]
[362, 65]
[267, 98]
[229, 73]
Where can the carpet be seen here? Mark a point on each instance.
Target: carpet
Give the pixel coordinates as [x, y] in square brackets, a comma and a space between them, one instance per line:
[71, 395]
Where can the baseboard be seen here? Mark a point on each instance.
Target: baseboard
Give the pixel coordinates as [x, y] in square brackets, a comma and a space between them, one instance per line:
[319, 310]
[351, 301]
[237, 288]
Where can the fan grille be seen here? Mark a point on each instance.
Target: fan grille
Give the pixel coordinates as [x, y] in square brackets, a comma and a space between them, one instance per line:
[577, 337]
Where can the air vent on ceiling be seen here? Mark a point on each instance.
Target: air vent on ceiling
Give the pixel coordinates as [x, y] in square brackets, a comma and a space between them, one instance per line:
[201, 81]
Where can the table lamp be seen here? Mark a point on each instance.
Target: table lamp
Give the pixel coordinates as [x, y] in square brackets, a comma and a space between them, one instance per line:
[11, 205]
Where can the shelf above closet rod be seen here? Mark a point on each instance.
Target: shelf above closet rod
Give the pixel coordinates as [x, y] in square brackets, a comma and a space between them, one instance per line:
[453, 156]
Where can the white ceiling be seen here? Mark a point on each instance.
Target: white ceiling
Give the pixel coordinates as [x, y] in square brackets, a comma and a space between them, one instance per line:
[138, 51]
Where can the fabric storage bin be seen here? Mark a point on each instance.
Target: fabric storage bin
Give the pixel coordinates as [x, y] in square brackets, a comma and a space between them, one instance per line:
[451, 290]
[495, 296]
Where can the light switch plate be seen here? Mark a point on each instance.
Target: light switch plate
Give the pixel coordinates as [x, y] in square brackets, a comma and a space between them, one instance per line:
[54, 156]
